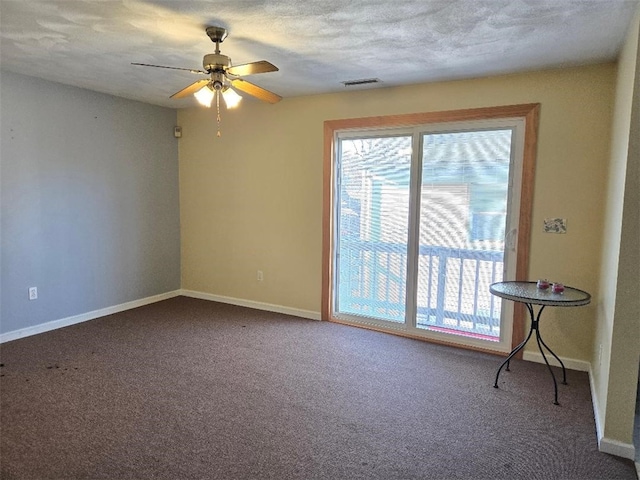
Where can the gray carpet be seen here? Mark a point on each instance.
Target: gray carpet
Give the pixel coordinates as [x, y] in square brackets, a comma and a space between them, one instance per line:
[190, 389]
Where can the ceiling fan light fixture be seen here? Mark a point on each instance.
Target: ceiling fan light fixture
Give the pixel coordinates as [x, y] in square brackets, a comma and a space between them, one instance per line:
[231, 98]
[204, 96]
[223, 76]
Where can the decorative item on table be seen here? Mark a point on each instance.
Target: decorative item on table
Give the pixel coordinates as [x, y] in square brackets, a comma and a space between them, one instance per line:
[543, 284]
[557, 288]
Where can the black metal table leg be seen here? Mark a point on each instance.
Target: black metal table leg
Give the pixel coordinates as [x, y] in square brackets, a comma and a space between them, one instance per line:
[535, 322]
[555, 384]
[513, 352]
[543, 294]
[564, 370]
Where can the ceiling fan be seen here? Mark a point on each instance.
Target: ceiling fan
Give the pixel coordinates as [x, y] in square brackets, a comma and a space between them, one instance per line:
[224, 77]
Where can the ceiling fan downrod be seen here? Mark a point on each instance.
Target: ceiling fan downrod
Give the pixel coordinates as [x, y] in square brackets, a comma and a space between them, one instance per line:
[217, 35]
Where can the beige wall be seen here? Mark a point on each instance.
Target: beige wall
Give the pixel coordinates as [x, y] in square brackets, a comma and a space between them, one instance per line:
[252, 199]
[618, 315]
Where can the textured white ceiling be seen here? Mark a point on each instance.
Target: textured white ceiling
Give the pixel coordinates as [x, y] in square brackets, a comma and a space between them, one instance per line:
[317, 44]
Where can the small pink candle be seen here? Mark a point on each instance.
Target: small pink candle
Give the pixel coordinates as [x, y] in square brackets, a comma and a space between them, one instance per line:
[543, 284]
[557, 288]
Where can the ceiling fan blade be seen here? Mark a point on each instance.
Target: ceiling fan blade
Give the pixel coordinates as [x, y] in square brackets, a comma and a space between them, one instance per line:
[171, 68]
[252, 68]
[258, 92]
[193, 88]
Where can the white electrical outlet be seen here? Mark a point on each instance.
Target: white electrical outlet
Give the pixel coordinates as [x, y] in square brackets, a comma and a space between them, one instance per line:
[260, 276]
[33, 293]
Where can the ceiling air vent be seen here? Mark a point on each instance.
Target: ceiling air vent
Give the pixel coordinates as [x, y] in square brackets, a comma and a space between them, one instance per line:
[363, 81]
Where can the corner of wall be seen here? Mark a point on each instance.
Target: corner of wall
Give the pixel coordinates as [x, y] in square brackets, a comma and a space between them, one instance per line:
[615, 343]
[607, 445]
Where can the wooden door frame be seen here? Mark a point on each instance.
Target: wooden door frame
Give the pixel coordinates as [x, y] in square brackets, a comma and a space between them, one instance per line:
[530, 113]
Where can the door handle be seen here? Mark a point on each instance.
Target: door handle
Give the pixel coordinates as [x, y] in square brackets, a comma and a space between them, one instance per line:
[510, 239]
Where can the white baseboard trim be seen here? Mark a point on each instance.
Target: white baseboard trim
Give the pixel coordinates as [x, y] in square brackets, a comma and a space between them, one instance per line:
[607, 445]
[83, 317]
[614, 447]
[569, 363]
[270, 307]
[596, 409]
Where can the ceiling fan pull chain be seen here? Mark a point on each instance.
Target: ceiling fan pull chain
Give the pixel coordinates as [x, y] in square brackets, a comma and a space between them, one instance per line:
[218, 109]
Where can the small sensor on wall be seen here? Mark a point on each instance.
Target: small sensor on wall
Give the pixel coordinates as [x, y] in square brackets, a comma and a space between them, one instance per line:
[177, 132]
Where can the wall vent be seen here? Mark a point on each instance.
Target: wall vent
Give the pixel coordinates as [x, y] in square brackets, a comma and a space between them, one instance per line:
[363, 81]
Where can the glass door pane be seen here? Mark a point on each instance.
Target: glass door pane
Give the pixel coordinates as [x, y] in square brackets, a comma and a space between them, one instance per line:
[463, 215]
[372, 219]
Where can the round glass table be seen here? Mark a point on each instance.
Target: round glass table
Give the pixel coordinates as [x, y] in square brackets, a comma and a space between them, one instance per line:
[529, 294]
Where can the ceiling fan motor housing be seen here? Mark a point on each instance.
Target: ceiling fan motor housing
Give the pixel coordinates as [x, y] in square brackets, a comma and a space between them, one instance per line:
[216, 61]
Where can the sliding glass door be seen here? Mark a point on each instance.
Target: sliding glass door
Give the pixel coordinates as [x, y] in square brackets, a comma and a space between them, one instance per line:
[425, 220]
[373, 224]
[464, 200]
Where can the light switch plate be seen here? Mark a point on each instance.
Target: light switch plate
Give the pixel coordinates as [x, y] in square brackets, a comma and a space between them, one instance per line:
[555, 225]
